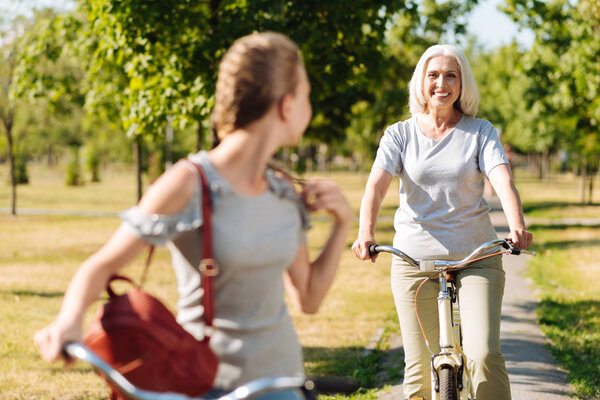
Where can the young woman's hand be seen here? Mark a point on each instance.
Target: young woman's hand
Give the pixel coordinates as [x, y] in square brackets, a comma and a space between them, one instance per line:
[323, 194]
[50, 339]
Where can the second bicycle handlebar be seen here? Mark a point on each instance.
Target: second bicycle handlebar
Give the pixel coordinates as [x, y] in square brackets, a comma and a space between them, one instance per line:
[430, 265]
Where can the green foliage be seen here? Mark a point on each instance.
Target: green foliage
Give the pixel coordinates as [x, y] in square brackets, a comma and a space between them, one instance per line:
[564, 68]
[410, 33]
[153, 60]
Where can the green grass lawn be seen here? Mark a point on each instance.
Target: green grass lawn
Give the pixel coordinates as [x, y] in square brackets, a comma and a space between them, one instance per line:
[566, 272]
[40, 254]
[557, 198]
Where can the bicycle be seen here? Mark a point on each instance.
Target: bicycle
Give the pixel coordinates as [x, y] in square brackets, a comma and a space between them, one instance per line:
[250, 390]
[450, 376]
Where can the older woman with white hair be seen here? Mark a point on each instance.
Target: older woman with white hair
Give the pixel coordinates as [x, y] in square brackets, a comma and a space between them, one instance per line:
[442, 155]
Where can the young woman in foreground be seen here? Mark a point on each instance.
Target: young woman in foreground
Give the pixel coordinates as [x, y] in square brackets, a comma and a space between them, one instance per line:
[259, 224]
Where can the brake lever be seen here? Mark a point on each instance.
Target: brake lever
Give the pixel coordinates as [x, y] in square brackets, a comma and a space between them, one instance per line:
[511, 249]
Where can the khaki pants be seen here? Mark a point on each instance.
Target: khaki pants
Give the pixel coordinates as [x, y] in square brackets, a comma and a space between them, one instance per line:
[480, 290]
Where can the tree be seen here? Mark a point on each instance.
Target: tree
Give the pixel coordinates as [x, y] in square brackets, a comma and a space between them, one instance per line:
[564, 61]
[411, 32]
[8, 106]
[150, 62]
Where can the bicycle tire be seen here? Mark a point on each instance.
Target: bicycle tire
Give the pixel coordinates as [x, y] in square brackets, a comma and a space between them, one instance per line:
[448, 389]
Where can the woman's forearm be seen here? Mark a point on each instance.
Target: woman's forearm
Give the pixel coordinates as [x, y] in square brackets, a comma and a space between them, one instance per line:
[370, 206]
[503, 183]
[91, 278]
[324, 268]
[504, 186]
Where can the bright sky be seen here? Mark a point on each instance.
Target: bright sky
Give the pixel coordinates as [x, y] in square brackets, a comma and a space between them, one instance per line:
[493, 28]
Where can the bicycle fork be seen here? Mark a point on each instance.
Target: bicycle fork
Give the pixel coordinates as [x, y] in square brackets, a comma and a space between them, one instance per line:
[451, 354]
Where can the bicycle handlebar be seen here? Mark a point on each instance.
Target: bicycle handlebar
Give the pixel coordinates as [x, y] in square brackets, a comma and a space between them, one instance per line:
[246, 391]
[429, 265]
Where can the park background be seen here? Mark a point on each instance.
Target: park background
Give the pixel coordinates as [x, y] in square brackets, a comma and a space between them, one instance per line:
[98, 97]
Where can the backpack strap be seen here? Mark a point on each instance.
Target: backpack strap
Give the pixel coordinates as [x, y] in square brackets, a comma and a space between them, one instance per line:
[208, 266]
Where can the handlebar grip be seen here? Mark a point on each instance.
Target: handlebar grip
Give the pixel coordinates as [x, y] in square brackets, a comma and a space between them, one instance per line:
[373, 250]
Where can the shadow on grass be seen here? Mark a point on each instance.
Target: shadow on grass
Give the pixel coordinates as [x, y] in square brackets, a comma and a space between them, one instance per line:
[351, 366]
[573, 328]
[562, 226]
[32, 293]
[567, 244]
[529, 207]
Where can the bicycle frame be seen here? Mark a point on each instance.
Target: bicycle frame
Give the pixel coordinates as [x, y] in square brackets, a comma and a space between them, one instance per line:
[450, 376]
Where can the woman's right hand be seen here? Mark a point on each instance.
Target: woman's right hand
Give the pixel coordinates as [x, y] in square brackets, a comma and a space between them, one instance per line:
[360, 247]
[50, 339]
[324, 194]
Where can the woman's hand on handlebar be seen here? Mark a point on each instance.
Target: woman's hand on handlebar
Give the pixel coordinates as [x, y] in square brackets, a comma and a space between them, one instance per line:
[360, 247]
[520, 238]
[50, 339]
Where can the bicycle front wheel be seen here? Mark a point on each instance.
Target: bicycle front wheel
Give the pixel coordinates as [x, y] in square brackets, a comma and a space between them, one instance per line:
[448, 389]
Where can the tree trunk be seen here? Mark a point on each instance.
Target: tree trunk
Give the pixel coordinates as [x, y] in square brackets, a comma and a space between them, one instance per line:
[8, 125]
[583, 178]
[591, 178]
[545, 164]
[199, 136]
[169, 143]
[13, 177]
[137, 151]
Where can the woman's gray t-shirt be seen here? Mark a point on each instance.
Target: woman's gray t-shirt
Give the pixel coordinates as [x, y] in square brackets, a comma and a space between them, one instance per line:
[442, 213]
[254, 239]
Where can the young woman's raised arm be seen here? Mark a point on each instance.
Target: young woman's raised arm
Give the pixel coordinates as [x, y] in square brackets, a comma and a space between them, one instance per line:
[308, 282]
[169, 194]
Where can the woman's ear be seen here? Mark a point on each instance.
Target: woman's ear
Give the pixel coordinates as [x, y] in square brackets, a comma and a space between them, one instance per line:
[285, 107]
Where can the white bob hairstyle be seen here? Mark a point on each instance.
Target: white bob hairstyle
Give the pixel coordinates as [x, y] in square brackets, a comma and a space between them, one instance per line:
[468, 102]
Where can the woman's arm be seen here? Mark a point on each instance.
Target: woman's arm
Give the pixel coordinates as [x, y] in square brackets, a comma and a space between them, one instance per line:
[308, 282]
[169, 194]
[503, 183]
[377, 186]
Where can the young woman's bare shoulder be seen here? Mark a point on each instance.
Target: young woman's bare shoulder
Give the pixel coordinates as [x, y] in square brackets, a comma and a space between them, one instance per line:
[171, 191]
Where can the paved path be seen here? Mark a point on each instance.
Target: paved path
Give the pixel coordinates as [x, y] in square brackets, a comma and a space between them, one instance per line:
[532, 371]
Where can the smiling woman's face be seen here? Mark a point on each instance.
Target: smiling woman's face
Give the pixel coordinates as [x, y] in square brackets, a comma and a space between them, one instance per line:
[441, 82]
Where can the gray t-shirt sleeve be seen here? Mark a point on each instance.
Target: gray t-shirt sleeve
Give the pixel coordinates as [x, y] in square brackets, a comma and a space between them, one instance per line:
[158, 229]
[491, 153]
[388, 155]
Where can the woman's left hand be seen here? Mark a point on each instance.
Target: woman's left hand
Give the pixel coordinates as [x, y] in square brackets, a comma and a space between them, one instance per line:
[521, 238]
[324, 194]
